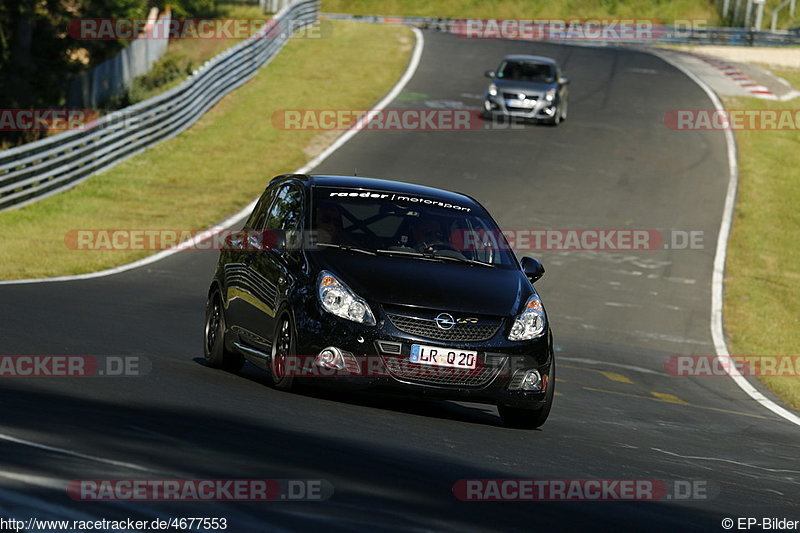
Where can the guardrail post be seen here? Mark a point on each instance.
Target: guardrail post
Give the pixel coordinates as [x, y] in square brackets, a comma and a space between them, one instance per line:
[748, 13]
[759, 13]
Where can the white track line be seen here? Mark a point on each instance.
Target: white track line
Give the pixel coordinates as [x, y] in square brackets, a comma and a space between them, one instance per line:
[718, 277]
[229, 222]
[64, 451]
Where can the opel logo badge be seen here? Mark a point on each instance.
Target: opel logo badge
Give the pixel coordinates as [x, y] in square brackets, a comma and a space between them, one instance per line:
[445, 321]
[521, 96]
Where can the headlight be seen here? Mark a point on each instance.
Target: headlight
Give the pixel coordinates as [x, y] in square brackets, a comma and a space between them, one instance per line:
[337, 298]
[550, 95]
[529, 324]
[493, 90]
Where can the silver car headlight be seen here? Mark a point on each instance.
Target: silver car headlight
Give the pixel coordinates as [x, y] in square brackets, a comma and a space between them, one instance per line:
[550, 95]
[337, 299]
[493, 90]
[530, 323]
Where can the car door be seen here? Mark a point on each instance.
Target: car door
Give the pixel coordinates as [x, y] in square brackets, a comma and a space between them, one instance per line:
[241, 287]
[272, 267]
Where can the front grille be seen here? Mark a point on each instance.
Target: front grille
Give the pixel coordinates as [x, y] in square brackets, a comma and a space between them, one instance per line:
[515, 96]
[426, 327]
[401, 368]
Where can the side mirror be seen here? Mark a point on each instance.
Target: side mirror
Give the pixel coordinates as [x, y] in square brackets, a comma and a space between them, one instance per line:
[533, 268]
[489, 74]
[564, 80]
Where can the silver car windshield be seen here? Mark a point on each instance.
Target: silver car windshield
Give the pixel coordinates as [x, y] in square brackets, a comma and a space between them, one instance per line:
[528, 71]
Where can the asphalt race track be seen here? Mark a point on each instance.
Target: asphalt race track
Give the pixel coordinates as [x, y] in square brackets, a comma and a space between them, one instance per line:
[617, 317]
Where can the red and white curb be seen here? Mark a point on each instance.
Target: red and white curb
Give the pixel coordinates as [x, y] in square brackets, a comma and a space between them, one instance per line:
[734, 74]
[737, 76]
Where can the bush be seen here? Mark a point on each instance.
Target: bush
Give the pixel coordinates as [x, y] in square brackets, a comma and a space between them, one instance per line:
[191, 8]
[168, 69]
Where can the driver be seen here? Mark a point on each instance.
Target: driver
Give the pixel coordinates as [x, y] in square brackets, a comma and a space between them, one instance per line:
[428, 233]
[329, 226]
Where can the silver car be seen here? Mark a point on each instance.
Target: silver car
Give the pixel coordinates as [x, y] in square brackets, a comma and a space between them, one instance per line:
[530, 87]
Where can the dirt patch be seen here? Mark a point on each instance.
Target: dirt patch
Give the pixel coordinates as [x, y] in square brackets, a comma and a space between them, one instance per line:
[772, 56]
[319, 142]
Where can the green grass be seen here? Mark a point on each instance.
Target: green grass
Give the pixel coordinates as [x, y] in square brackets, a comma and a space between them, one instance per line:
[762, 284]
[216, 167]
[665, 10]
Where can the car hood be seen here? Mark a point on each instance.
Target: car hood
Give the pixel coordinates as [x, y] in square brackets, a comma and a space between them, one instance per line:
[523, 86]
[432, 284]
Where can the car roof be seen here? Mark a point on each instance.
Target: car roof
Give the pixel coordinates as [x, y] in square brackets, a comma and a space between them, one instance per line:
[366, 183]
[538, 59]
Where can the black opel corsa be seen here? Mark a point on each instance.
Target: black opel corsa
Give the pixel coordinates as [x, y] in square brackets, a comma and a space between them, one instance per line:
[385, 285]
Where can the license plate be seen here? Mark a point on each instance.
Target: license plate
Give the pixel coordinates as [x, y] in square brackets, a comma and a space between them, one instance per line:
[513, 102]
[437, 356]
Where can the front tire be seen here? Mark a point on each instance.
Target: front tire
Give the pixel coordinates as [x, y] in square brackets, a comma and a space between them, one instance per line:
[556, 120]
[214, 350]
[486, 113]
[521, 418]
[283, 346]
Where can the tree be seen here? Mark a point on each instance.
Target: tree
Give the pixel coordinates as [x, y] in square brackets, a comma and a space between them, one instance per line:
[38, 55]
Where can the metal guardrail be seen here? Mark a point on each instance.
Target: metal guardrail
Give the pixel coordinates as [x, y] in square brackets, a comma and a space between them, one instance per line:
[661, 34]
[34, 171]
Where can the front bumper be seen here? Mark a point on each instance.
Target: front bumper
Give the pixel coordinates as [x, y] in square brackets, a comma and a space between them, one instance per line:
[382, 353]
[541, 110]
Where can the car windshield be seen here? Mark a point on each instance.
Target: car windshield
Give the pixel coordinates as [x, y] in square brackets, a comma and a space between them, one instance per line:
[389, 223]
[526, 71]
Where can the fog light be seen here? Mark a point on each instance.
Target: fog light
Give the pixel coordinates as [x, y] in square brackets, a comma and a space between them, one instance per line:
[330, 357]
[532, 381]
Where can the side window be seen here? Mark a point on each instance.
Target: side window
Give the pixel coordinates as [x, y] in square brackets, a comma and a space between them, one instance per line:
[287, 209]
[259, 214]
